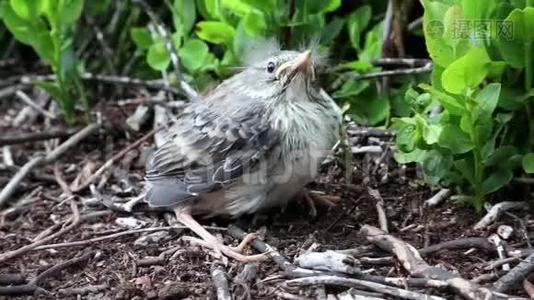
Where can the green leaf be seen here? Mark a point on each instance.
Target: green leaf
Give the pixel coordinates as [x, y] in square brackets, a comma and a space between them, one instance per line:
[432, 133]
[311, 7]
[26, 9]
[19, 27]
[500, 156]
[475, 10]
[238, 7]
[373, 44]
[254, 23]
[332, 30]
[158, 57]
[467, 71]
[263, 5]
[141, 37]
[496, 180]
[331, 5]
[194, 54]
[436, 166]
[488, 97]
[440, 51]
[32, 33]
[66, 103]
[407, 138]
[515, 46]
[209, 9]
[466, 168]
[408, 157]
[215, 32]
[450, 103]
[454, 139]
[351, 88]
[184, 16]
[70, 11]
[528, 163]
[377, 111]
[44, 46]
[356, 23]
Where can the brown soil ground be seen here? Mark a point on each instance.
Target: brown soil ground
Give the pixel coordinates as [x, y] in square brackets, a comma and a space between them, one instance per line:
[187, 273]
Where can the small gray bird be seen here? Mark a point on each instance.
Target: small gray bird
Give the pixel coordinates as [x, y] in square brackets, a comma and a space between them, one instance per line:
[253, 142]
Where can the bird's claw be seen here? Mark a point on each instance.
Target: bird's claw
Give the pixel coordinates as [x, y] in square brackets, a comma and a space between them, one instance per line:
[312, 199]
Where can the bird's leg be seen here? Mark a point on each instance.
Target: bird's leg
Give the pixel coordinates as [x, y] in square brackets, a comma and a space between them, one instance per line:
[312, 199]
[184, 217]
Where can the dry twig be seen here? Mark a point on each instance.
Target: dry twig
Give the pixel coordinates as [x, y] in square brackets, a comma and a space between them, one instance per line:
[74, 221]
[109, 163]
[496, 210]
[10, 188]
[516, 275]
[12, 139]
[465, 243]
[220, 282]
[26, 99]
[357, 283]
[411, 260]
[244, 281]
[114, 236]
[438, 198]
[382, 219]
[33, 286]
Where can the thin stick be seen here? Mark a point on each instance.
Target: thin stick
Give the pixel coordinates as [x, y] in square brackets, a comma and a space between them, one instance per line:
[7, 139]
[516, 275]
[8, 91]
[438, 198]
[74, 221]
[114, 236]
[220, 282]
[399, 61]
[411, 260]
[496, 210]
[26, 99]
[244, 280]
[382, 219]
[411, 71]
[357, 283]
[72, 141]
[32, 287]
[12, 185]
[14, 182]
[109, 163]
[111, 79]
[464, 243]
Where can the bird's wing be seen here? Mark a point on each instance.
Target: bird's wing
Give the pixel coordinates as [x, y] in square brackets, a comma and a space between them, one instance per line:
[204, 151]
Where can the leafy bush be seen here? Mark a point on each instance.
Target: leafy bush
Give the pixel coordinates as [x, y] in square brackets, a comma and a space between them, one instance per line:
[211, 37]
[472, 126]
[48, 26]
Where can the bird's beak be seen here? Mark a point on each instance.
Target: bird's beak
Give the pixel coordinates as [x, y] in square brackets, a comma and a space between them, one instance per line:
[302, 63]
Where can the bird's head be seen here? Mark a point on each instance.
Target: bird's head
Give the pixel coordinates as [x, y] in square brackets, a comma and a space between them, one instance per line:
[279, 75]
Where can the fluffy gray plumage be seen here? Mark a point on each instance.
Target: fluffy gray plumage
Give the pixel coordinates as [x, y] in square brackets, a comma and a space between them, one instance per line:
[253, 142]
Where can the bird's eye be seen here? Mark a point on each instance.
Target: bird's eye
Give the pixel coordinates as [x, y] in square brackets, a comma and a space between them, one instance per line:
[270, 67]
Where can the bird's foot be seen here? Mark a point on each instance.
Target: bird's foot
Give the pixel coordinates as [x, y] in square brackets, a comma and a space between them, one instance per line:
[313, 198]
[210, 241]
[233, 252]
[249, 238]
